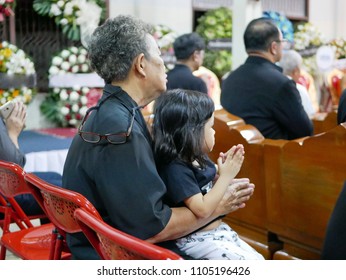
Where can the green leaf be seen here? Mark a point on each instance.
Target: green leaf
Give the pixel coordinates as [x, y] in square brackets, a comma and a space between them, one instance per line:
[42, 7]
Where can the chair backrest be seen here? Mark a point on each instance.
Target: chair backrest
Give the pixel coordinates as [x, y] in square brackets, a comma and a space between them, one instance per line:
[59, 203]
[113, 244]
[12, 180]
[12, 183]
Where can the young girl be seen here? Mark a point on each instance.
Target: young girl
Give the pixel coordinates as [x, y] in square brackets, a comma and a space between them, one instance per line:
[183, 136]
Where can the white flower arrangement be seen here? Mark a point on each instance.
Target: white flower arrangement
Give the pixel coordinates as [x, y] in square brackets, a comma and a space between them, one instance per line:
[307, 36]
[71, 60]
[67, 106]
[339, 46]
[77, 18]
[165, 38]
[17, 74]
[70, 96]
[307, 39]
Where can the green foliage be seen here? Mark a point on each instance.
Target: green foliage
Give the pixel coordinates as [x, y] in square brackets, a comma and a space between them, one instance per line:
[50, 107]
[68, 21]
[216, 24]
[218, 61]
[42, 7]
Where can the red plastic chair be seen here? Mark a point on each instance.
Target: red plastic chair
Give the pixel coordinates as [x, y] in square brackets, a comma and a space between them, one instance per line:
[29, 242]
[113, 244]
[59, 205]
[12, 184]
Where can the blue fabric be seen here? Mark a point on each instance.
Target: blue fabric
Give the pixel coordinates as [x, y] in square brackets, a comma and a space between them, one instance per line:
[32, 141]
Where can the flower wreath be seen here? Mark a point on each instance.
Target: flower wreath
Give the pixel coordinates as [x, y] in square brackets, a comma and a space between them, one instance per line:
[307, 36]
[17, 74]
[6, 8]
[165, 37]
[216, 24]
[283, 23]
[69, 98]
[76, 17]
[307, 39]
[339, 46]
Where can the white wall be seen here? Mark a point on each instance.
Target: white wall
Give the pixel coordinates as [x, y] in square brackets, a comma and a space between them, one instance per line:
[243, 12]
[176, 14]
[321, 14]
[329, 17]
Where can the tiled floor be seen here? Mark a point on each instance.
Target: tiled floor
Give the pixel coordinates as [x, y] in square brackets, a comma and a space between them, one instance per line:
[14, 227]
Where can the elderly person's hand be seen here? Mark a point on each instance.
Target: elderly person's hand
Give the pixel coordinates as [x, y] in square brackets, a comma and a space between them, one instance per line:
[16, 121]
[236, 195]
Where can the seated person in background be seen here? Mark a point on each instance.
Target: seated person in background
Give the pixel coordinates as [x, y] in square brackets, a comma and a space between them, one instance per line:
[259, 93]
[307, 80]
[189, 51]
[9, 151]
[291, 63]
[183, 136]
[341, 116]
[335, 85]
[212, 82]
[111, 160]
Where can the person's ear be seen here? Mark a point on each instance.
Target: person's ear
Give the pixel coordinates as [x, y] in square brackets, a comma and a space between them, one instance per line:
[195, 55]
[273, 48]
[140, 64]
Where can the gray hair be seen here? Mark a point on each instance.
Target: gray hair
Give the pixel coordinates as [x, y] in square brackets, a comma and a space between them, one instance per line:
[115, 44]
[290, 60]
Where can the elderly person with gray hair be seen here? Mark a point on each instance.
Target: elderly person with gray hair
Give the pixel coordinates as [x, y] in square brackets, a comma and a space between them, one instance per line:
[291, 63]
[111, 160]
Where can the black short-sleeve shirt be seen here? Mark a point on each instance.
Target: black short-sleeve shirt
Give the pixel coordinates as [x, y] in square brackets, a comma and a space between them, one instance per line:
[121, 181]
[184, 180]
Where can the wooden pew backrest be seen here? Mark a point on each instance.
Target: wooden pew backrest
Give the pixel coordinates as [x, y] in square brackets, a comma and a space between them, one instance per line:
[303, 181]
[251, 221]
[324, 122]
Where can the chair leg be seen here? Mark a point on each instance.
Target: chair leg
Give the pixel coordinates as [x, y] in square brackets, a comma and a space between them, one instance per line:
[2, 252]
[58, 247]
[53, 244]
[5, 230]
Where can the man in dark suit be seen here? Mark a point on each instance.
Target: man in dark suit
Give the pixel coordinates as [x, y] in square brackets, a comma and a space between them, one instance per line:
[342, 108]
[259, 93]
[189, 51]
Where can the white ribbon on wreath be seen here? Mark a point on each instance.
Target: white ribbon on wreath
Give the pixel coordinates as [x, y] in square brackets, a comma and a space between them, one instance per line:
[89, 17]
[69, 80]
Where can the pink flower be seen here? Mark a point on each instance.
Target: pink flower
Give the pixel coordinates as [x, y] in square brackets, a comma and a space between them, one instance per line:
[93, 96]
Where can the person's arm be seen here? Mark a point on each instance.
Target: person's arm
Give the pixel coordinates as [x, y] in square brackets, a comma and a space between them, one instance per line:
[291, 114]
[204, 205]
[9, 133]
[183, 221]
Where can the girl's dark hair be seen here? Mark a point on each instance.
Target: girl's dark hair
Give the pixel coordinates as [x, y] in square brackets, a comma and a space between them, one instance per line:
[178, 127]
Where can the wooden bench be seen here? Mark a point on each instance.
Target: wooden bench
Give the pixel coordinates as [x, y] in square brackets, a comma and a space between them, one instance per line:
[251, 222]
[297, 184]
[303, 179]
[324, 121]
